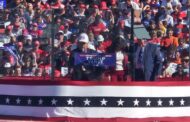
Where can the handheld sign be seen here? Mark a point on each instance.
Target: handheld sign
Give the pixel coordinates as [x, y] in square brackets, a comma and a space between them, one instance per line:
[98, 59]
[64, 71]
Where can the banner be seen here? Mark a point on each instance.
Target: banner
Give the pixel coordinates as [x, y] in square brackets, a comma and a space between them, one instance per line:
[90, 101]
[5, 48]
[2, 4]
[98, 59]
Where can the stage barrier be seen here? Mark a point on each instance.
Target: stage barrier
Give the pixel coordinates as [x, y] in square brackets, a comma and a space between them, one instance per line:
[82, 101]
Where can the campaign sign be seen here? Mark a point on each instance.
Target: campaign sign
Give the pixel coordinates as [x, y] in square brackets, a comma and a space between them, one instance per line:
[98, 59]
[2, 4]
[64, 71]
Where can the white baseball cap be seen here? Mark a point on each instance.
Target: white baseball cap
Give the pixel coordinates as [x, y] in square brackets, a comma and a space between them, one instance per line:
[29, 37]
[83, 37]
[100, 38]
[60, 31]
[7, 65]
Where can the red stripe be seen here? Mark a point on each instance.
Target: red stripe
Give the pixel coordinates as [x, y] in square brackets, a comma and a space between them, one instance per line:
[69, 119]
[41, 81]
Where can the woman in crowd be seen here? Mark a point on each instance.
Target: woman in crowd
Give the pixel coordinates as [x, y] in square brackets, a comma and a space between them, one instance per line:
[119, 72]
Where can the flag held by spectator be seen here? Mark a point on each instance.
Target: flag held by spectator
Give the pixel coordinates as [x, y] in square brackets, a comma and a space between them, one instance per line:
[2, 4]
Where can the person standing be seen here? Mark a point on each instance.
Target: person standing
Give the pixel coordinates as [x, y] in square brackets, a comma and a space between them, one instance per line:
[138, 60]
[83, 71]
[120, 71]
[148, 61]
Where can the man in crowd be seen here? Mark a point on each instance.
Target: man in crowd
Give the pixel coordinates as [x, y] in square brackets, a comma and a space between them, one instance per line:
[83, 71]
[148, 61]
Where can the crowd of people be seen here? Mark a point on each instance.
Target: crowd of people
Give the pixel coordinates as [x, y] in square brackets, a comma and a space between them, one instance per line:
[95, 26]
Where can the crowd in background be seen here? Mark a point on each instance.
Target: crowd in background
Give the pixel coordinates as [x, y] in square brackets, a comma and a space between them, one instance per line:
[89, 26]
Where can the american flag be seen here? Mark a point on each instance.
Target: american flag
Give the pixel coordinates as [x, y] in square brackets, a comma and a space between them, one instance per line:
[79, 101]
[2, 4]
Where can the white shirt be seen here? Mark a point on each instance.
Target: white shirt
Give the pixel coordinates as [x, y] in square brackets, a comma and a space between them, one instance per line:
[176, 2]
[126, 20]
[183, 47]
[172, 2]
[68, 34]
[119, 61]
[169, 19]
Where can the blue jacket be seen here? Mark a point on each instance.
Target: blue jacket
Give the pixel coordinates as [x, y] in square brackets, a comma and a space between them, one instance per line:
[152, 62]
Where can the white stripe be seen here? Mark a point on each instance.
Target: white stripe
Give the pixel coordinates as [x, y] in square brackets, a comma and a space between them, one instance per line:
[94, 112]
[119, 91]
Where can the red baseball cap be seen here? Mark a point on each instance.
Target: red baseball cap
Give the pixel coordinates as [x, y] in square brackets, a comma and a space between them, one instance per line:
[182, 15]
[17, 24]
[121, 22]
[67, 43]
[24, 32]
[35, 24]
[83, 6]
[103, 5]
[9, 27]
[62, 27]
[113, 2]
[180, 26]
